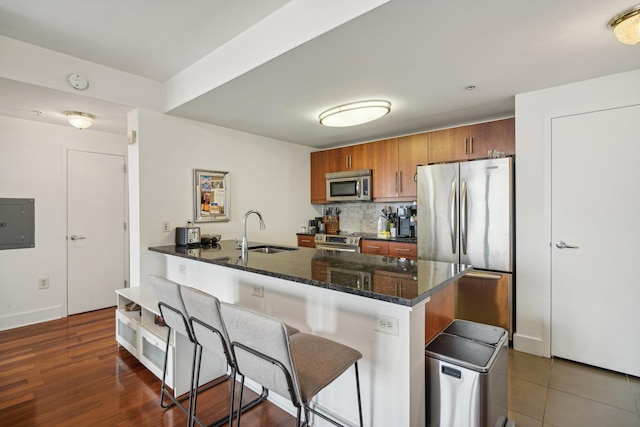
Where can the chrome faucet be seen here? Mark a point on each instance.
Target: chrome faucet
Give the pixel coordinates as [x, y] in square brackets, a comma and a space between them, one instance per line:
[245, 245]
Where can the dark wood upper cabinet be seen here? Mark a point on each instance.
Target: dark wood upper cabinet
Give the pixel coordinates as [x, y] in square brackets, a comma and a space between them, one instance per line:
[472, 142]
[319, 167]
[394, 166]
[353, 157]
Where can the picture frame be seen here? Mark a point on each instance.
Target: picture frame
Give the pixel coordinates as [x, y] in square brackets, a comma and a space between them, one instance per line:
[211, 196]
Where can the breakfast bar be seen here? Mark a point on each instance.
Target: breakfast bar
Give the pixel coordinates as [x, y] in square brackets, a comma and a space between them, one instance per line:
[378, 305]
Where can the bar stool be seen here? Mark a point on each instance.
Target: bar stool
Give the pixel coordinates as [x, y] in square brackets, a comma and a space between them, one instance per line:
[210, 333]
[175, 317]
[299, 366]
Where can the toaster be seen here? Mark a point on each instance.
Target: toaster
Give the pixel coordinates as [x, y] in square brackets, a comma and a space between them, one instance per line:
[187, 236]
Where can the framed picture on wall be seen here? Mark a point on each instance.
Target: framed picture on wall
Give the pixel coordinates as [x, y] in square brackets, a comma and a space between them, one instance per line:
[211, 197]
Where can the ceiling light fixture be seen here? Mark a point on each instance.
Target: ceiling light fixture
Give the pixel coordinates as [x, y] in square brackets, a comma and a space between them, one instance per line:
[355, 113]
[626, 26]
[79, 120]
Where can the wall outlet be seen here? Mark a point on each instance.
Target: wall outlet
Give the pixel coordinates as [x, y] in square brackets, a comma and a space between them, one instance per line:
[166, 226]
[257, 291]
[182, 269]
[43, 283]
[386, 324]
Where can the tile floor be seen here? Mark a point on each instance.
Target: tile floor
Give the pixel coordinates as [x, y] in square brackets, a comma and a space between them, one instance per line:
[558, 393]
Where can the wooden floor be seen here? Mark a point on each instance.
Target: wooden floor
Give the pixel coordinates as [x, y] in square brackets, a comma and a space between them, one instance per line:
[71, 372]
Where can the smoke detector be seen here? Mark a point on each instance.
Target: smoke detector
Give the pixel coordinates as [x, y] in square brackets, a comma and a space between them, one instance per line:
[78, 82]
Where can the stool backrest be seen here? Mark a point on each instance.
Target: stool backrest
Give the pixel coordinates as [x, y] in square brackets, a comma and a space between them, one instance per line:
[206, 321]
[261, 347]
[171, 306]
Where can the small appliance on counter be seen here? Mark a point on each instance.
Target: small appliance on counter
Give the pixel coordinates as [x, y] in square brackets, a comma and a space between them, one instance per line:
[188, 236]
[406, 221]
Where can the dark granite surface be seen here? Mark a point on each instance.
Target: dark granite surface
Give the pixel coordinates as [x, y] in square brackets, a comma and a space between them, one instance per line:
[374, 236]
[352, 273]
[391, 239]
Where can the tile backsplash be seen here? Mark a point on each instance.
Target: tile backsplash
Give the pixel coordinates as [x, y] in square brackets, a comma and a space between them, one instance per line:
[362, 217]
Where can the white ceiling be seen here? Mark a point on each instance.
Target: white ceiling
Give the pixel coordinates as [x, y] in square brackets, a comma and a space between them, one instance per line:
[418, 54]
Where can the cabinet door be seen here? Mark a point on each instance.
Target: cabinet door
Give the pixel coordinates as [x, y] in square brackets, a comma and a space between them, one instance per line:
[403, 250]
[127, 331]
[350, 158]
[152, 353]
[385, 168]
[412, 151]
[319, 167]
[498, 135]
[361, 156]
[448, 145]
[375, 247]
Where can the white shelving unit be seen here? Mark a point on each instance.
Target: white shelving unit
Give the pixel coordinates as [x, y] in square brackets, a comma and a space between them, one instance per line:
[138, 332]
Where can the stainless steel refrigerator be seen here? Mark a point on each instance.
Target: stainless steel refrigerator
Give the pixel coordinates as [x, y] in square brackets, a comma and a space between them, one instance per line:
[465, 215]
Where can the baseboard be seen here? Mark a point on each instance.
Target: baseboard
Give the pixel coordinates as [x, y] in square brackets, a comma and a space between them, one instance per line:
[531, 345]
[30, 317]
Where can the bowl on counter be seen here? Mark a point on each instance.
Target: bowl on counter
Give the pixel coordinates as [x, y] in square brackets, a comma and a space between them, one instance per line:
[209, 239]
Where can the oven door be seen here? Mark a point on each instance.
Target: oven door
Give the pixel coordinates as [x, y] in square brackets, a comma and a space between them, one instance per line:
[339, 248]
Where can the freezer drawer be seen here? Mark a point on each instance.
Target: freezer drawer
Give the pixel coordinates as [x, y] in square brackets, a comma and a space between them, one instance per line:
[466, 378]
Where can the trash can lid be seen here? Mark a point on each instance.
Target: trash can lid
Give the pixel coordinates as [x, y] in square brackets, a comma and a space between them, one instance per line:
[461, 351]
[476, 331]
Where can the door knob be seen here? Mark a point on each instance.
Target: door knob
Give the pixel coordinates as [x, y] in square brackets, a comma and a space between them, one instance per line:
[562, 245]
[74, 237]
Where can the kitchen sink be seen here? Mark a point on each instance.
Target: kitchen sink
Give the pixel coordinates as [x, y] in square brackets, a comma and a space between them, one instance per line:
[270, 249]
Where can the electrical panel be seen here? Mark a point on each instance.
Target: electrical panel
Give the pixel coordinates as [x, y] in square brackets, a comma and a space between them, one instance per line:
[17, 223]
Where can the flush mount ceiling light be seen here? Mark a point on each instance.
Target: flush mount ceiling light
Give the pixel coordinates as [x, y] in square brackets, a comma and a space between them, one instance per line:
[626, 26]
[79, 120]
[355, 113]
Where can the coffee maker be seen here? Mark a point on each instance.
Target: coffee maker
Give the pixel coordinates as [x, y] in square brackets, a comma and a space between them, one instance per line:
[407, 221]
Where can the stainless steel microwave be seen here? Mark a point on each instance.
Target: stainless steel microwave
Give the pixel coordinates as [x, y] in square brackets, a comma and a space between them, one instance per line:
[349, 186]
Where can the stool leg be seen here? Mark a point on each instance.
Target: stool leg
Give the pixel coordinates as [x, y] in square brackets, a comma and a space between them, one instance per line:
[240, 400]
[358, 388]
[195, 380]
[164, 372]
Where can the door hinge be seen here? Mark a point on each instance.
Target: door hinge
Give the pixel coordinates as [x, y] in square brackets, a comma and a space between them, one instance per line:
[125, 226]
[125, 168]
[125, 283]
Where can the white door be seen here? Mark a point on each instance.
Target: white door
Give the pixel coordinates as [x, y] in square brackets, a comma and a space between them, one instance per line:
[596, 207]
[95, 229]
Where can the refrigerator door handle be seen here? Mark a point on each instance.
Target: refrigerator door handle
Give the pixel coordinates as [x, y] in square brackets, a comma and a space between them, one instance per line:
[464, 216]
[453, 218]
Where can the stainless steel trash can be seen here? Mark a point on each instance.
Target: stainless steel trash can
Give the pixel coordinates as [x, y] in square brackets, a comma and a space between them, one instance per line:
[466, 374]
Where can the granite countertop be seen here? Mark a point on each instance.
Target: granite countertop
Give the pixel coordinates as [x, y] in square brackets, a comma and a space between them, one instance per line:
[354, 273]
[374, 236]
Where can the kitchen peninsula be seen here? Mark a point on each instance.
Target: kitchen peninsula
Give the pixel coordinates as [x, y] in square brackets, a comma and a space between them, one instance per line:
[336, 295]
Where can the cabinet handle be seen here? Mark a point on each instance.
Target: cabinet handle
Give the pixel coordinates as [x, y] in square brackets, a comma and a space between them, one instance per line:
[465, 147]
[346, 162]
[402, 250]
[373, 247]
[470, 145]
[396, 182]
[479, 275]
[401, 181]
[305, 241]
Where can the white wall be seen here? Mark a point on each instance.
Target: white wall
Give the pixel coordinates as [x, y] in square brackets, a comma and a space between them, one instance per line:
[534, 112]
[268, 175]
[33, 165]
